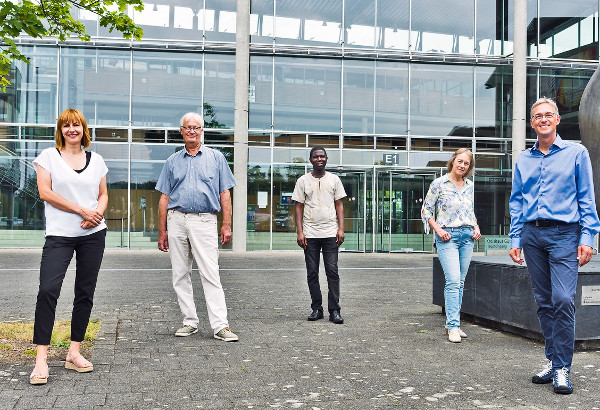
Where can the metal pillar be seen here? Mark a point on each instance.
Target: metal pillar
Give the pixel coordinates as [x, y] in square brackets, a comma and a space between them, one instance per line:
[240, 141]
[519, 121]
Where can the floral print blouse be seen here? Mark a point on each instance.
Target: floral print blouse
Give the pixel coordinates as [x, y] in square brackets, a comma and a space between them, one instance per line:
[449, 206]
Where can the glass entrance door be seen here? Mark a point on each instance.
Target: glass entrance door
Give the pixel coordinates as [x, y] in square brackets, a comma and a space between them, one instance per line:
[400, 196]
[355, 223]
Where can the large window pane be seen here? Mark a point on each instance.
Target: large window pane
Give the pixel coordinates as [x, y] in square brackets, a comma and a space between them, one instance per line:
[165, 86]
[493, 87]
[391, 98]
[258, 229]
[170, 21]
[445, 27]
[441, 99]
[492, 27]
[20, 206]
[359, 77]
[260, 92]
[219, 20]
[359, 22]
[284, 228]
[96, 81]
[566, 87]
[219, 88]
[567, 29]
[307, 94]
[319, 24]
[31, 96]
[261, 21]
[392, 23]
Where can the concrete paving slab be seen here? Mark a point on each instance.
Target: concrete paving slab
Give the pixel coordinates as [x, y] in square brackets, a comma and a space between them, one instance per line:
[391, 351]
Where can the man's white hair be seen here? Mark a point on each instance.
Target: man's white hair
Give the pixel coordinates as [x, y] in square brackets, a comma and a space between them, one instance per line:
[191, 115]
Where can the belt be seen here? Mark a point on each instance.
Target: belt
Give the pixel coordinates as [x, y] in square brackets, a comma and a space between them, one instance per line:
[544, 223]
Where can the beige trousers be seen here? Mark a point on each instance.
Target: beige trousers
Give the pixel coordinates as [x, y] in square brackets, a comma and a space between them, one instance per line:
[194, 236]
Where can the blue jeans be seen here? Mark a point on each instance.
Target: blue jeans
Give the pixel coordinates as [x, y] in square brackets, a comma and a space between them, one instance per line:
[455, 257]
[551, 256]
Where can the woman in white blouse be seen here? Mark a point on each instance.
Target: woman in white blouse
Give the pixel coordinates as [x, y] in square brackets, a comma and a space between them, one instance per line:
[72, 184]
[448, 210]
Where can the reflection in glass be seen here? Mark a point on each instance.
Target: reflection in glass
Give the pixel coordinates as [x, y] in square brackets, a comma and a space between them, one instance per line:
[31, 96]
[493, 107]
[219, 20]
[391, 98]
[492, 191]
[307, 94]
[96, 81]
[261, 21]
[566, 87]
[492, 27]
[37, 133]
[359, 141]
[325, 141]
[359, 21]
[359, 78]
[258, 229]
[444, 27]
[113, 135]
[392, 22]
[320, 24]
[219, 89]
[442, 99]
[563, 31]
[284, 227]
[9, 132]
[165, 86]
[20, 206]
[260, 92]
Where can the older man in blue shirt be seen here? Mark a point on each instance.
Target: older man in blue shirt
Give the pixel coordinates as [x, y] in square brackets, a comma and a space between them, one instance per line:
[554, 220]
[195, 184]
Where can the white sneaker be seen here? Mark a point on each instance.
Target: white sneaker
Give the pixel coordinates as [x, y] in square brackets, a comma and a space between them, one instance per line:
[227, 335]
[454, 335]
[186, 330]
[460, 332]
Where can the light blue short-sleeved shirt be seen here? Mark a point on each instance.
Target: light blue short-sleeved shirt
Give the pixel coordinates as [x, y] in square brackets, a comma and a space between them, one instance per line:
[193, 182]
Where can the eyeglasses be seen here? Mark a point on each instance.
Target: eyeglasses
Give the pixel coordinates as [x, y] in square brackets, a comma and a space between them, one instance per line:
[191, 128]
[548, 116]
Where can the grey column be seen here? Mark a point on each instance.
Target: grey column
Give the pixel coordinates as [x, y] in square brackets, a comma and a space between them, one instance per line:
[240, 141]
[519, 121]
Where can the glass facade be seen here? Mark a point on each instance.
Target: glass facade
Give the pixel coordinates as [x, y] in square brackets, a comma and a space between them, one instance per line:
[389, 87]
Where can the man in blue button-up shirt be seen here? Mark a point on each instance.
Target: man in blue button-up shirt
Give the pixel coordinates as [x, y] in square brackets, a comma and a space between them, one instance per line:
[195, 184]
[554, 220]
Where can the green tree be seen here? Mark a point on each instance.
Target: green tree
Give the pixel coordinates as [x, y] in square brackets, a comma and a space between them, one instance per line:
[43, 18]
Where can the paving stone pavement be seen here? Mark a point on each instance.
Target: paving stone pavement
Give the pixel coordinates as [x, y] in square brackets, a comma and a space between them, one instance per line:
[391, 352]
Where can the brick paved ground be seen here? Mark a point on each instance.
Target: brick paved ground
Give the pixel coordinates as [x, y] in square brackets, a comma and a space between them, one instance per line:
[390, 353]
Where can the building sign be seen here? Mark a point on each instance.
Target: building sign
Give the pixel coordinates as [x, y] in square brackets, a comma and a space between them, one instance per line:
[391, 159]
[497, 243]
[590, 295]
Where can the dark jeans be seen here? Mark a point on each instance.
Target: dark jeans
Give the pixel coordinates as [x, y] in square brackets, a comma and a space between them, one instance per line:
[330, 260]
[551, 256]
[56, 256]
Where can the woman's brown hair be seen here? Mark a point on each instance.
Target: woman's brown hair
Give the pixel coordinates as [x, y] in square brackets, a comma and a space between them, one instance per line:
[459, 151]
[71, 115]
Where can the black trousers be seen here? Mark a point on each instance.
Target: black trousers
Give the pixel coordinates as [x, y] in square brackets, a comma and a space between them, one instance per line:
[56, 256]
[312, 255]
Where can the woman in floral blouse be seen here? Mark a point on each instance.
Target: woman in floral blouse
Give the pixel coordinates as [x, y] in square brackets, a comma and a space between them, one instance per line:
[448, 210]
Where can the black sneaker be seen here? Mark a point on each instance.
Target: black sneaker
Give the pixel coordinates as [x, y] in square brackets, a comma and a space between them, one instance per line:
[562, 384]
[545, 375]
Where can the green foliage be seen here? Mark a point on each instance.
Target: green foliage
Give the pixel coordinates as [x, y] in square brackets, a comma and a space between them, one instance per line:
[43, 18]
[30, 352]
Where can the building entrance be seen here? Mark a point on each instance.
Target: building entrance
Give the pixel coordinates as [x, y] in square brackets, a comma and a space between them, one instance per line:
[382, 210]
